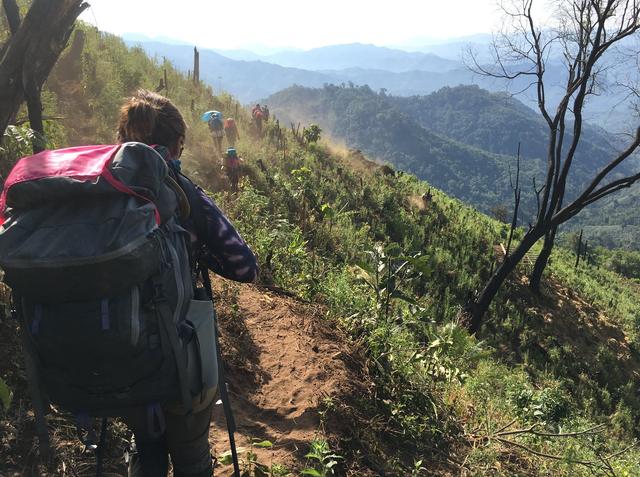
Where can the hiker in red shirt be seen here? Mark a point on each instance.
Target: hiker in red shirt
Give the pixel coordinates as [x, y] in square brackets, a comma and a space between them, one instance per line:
[231, 132]
[257, 115]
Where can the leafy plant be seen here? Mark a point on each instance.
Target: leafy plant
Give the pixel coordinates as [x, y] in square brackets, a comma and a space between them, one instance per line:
[250, 466]
[323, 459]
[311, 134]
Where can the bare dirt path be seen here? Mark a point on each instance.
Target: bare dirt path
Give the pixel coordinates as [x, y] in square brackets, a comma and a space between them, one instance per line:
[286, 365]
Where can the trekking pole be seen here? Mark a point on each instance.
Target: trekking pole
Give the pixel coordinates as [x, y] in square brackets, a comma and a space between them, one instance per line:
[222, 382]
[100, 448]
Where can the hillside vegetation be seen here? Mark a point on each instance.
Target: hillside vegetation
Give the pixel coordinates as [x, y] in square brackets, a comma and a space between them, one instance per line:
[464, 141]
[549, 387]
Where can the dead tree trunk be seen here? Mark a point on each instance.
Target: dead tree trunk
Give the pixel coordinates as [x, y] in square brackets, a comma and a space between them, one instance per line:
[541, 261]
[31, 52]
[516, 199]
[196, 65]
[13, 15]
[578, 250]
[478, 308]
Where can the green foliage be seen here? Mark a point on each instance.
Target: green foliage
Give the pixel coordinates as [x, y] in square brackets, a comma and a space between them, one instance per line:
[311, 134]
[249, 463]
[322, 459]
[17, 142]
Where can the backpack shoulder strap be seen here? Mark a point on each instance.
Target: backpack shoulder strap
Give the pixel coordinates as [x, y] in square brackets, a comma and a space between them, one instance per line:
[183, 201]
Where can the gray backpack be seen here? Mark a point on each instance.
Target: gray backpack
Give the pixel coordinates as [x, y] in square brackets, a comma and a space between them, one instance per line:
[99, 265]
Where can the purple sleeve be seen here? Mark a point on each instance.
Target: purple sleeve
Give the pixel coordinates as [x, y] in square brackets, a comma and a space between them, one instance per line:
[225, 251]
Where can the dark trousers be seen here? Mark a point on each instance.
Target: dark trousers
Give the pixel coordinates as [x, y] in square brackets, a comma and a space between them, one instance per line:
[186, 440]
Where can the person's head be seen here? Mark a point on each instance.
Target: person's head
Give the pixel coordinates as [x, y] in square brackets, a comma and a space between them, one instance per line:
[232, 153]
[150, 118]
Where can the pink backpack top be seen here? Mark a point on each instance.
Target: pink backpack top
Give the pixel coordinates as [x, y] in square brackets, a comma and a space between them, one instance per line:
[61, 169]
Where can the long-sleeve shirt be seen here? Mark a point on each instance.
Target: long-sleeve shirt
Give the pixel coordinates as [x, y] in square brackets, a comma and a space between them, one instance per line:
[225, 252]
[219, 246]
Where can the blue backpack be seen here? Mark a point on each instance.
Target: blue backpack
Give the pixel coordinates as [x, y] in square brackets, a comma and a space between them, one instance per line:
[216, 122]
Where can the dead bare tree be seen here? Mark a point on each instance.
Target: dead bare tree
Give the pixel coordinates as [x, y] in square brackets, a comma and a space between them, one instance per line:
[196, 65]
[27, 57]
[516, 200]
[584, 31]
[578, 249]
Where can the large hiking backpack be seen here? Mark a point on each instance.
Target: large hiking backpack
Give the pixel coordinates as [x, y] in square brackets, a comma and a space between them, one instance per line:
[91, 246]
[216, 123]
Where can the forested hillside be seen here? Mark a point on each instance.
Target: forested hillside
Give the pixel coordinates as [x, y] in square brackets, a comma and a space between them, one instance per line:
[463, 140]
[497, 122]
[370, 277]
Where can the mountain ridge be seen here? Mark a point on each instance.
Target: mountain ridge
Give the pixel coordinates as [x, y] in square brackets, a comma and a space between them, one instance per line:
[463, 140]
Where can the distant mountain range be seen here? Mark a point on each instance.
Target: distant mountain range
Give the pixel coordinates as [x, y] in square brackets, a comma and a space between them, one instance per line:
[357, 55]
[251, 77]
[462, 140]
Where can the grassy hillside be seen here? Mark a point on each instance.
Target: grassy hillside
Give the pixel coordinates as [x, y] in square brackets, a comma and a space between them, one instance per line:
[464, 141]
[547, 388]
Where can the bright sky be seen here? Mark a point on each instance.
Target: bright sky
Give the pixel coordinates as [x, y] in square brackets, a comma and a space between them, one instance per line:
[230, 24]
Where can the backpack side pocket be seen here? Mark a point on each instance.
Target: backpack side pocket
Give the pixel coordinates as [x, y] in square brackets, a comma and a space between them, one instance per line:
[204, 369]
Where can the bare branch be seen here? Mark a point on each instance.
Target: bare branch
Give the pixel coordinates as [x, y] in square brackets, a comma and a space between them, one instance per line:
[586, 463]
[12, 13]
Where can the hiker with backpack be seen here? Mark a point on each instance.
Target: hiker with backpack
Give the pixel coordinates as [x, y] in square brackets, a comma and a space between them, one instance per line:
[265, 113]
[232, 167]
[257, 115]
[105, 248]
[216, 126]
[231, 132]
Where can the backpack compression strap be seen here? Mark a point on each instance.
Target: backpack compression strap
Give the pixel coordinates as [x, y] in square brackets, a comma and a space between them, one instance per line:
[168, 328]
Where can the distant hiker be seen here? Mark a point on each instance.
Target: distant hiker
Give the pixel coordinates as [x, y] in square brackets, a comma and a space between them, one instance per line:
[112, 308]
[231, 132]
[265, 113]
[255, 109]
[257, 115]
[232, 167]
[216, 126]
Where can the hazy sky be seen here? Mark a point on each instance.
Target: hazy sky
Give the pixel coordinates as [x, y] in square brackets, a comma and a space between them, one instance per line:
[295, 23]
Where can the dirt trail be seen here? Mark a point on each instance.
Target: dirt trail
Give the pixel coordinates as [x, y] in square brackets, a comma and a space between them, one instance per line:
[285, 364]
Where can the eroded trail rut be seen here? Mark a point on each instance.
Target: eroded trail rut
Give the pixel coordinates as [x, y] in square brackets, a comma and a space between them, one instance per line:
[285, 364]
